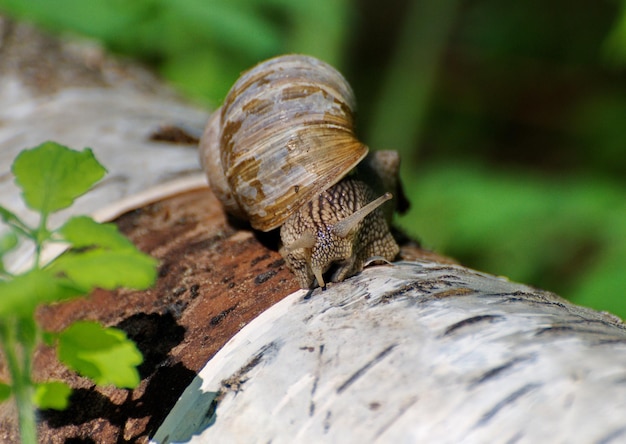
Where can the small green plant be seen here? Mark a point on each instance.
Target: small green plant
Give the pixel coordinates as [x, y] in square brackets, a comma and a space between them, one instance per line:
[51, 177]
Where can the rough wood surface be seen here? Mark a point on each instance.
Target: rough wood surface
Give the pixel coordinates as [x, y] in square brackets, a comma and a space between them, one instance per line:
[52, 90]
[207, 272]
[413, 352]
[421, 351]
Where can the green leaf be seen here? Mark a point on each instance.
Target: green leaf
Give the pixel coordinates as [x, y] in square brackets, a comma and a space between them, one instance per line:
[83, 231]
[105, 355]
[5, 391]
[20, 295]
[107, 269]
[52, 395]
[26, 333]
[8, 241]
[12, 220]
[52, 176]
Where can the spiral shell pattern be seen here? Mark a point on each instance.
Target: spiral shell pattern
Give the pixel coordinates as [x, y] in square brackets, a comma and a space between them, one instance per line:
[284, 134]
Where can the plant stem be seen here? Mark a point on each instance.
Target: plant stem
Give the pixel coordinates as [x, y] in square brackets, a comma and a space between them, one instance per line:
[39, 239]
[21, 383]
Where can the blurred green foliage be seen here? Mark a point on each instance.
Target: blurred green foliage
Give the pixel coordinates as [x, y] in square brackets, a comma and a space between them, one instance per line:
[510, 116]
[557, 232]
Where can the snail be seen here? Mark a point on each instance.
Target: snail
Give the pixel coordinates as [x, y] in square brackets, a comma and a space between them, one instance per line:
[280, 152]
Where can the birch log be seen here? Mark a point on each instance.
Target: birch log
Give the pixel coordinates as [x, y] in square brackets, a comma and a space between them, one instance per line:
[417, 351]
[413, 352]
[76, 95]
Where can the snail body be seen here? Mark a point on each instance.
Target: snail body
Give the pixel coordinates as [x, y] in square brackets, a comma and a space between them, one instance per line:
[339, 227]
[277, 153]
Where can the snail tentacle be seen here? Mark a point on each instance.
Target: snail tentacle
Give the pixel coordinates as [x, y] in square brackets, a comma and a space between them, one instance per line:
[279, 152]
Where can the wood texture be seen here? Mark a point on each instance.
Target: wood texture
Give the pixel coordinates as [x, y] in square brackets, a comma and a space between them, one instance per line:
[417, 351]
[413, 352]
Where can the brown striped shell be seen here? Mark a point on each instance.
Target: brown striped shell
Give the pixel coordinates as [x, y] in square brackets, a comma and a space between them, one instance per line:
[283, 136]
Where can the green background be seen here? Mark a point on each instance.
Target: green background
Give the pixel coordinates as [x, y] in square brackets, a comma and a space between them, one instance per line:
[510, 116]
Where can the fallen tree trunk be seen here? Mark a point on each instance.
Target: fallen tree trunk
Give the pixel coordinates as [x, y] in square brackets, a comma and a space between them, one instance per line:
[413, 352]
[418, 351]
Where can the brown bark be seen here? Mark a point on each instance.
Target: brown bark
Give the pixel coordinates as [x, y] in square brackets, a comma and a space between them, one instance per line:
[213, 277]
[216, 277]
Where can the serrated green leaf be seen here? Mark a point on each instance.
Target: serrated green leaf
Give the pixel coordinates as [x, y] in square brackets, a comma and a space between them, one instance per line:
[51, 176]
[52, 395]
[20, 295]
[107, 269]
[83, 231]
[105, 355]
[5, 391]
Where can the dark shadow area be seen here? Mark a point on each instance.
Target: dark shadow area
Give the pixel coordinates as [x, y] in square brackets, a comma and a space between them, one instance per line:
[164, 389]
[270, 240]
[238, 224]
[195, 413]
[155, 335]
[79, 441]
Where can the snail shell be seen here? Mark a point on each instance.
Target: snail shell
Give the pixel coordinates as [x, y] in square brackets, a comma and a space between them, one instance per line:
[278, 153]
[284, 134]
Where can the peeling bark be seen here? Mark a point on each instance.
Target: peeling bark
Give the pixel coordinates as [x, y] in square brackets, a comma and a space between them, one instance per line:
[417, 351]
[413, 352]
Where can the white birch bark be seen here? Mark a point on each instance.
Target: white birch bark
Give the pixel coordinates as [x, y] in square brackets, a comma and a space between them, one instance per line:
[413, 352]
[77, 96]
